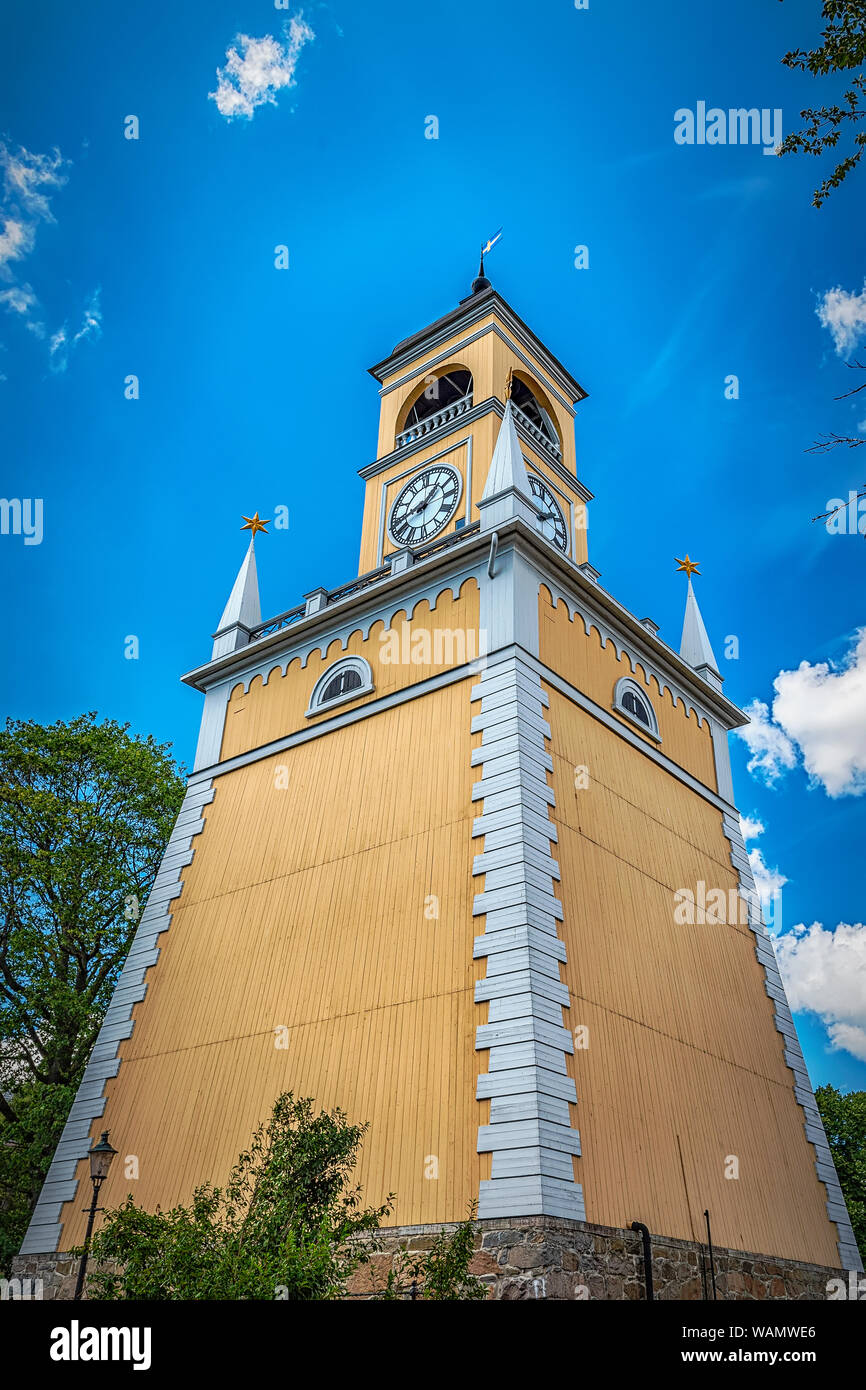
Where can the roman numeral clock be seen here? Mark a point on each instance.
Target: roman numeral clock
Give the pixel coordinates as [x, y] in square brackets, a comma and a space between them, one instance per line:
[425, 505]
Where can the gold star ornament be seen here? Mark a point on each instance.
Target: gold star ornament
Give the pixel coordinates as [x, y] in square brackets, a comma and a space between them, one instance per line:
[254, 524]
[690, 567]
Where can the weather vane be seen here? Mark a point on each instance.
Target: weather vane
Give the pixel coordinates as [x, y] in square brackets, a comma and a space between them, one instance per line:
[491, 243]
[481, 282]
[254, 524]
[689, 567]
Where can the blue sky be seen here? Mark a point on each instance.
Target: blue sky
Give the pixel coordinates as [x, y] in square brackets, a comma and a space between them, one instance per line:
[155, 257]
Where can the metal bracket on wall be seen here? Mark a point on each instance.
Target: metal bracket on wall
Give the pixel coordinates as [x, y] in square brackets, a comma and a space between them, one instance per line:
[491, 559]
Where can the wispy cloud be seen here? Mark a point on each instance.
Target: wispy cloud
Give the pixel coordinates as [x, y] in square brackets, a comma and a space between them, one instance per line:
[844, 314]
[62, 343]
[21, 300]
[256, 69]
[29, 181]
[768, 881]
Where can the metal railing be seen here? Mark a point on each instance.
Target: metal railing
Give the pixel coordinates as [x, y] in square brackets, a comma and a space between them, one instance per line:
[363, 581]
[537, 434]
[422, 552]
[291, 615]
[433, 422]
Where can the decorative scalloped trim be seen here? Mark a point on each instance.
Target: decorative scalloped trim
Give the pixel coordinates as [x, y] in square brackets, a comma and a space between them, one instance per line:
[385, 615]
[636, 663]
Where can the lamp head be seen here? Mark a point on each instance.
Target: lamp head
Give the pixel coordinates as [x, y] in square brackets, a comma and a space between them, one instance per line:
[100, 1156]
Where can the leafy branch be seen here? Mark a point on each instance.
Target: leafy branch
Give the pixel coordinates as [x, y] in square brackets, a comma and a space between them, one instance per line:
[843, 49]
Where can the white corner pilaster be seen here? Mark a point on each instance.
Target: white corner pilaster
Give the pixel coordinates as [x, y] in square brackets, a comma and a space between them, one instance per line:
[530, 1134]
[60, 1186]
[722, 756]
[213, 719]
[508, 601]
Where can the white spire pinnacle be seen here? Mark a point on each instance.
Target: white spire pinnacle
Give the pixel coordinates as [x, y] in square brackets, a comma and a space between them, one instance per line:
[695, 644]
[243, 608]
[507, 468]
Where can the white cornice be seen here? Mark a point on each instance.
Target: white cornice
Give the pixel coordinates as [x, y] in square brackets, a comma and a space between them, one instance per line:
[583, 596]
[477, 307]
[456, 348]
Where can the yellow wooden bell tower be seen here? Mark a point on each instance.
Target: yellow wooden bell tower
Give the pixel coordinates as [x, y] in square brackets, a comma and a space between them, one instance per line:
[432, 862]
[442, 394]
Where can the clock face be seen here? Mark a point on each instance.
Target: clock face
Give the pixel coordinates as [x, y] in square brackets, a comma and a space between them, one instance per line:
[425, 505]
[551, 523]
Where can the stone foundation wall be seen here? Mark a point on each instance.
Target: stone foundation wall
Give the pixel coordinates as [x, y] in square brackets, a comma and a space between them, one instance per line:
[56, 1274]
[547, 1258]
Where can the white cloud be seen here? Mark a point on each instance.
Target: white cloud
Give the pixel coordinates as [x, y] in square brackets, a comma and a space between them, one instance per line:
[25, 174]
[61, 344]
[27, 181]
[845, 316]
[20, 299]
[768, 882]
[772, 752]
[820, 712]
[750, 828]
[825, 973]
[824, 711]
[27, 178]
[16, 238]
[258, 68]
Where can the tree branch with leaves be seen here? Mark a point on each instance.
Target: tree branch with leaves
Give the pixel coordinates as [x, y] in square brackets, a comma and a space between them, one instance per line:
[842, 50]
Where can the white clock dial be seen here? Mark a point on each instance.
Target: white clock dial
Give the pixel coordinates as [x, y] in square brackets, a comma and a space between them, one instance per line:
[551, 523]
[425, 505]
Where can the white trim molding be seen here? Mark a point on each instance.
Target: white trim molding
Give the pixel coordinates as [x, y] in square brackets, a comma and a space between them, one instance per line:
[530, 1134]
[345, 663]
[61, 1185]
[626, 686]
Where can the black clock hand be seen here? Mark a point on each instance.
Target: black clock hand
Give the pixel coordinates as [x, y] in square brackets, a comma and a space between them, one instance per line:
[423, 503]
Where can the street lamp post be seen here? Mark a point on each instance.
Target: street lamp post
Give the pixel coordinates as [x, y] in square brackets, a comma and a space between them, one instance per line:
[100, 1156]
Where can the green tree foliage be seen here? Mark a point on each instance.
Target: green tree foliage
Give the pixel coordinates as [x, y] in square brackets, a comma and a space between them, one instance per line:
[285, 1226]
[842, 50]
[441, 1274]
[288, 1224]
[85, 812]
[844, 1118]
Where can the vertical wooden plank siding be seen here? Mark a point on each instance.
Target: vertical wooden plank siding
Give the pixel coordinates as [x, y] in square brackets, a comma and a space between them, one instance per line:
[310, 908]
[684, 1067]
[581, 660]
[267, 711]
